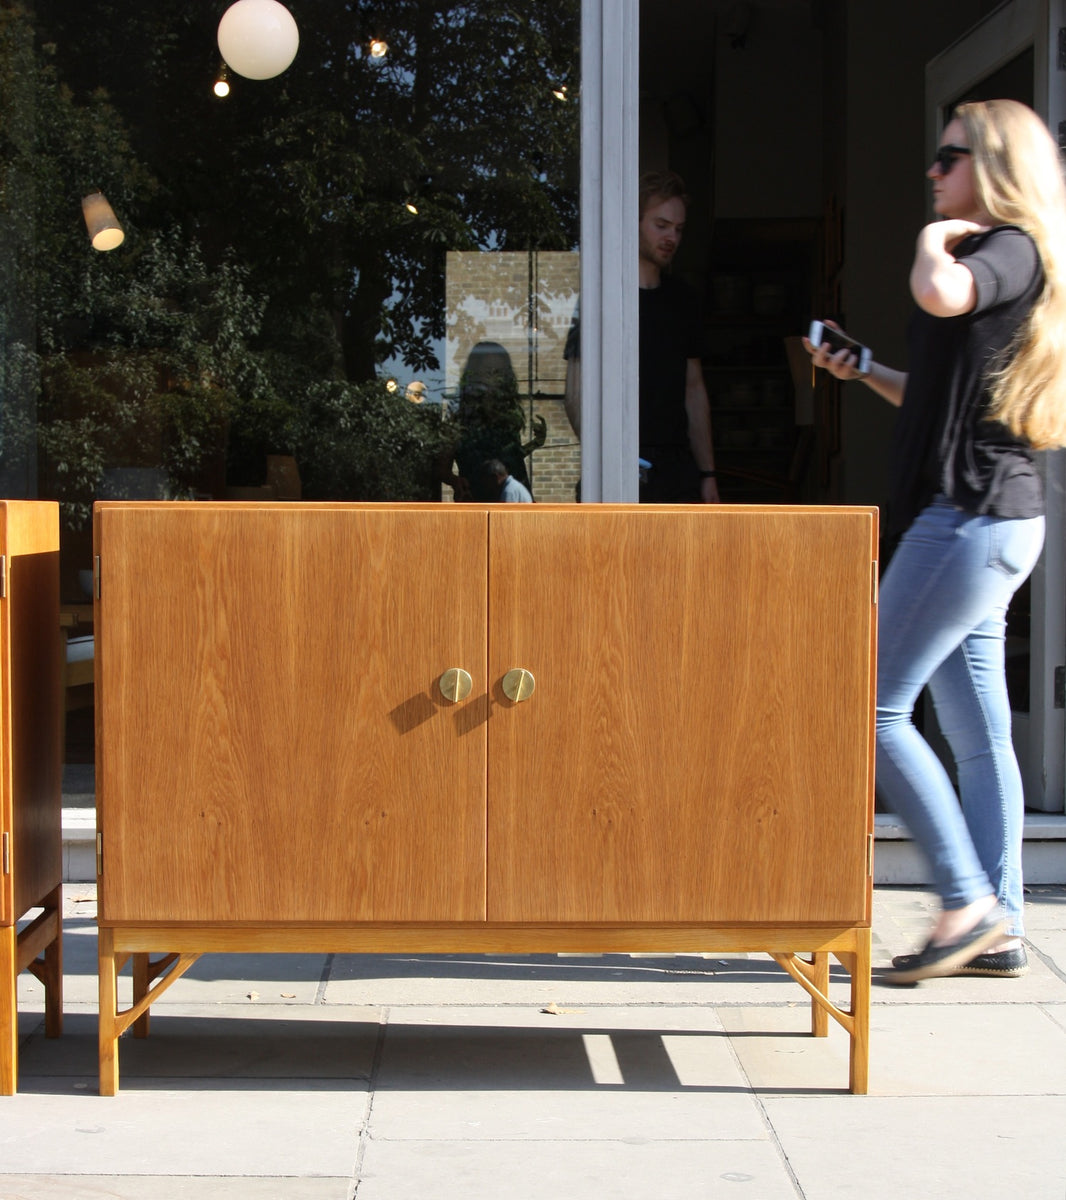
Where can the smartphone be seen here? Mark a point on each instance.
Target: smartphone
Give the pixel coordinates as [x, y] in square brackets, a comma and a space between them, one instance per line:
[821, 333]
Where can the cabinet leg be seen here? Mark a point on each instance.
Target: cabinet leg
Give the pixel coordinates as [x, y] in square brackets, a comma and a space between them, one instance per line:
[9, 1031]
[142, 979]
[819, 976]
[859, 1065]
[52, 973]
[108, 1028]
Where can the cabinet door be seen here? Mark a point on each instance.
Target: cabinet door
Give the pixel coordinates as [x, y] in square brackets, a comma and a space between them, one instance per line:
[274, 745]
[698, 743]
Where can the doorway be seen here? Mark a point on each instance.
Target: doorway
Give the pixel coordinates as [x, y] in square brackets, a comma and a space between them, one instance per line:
[803, 131]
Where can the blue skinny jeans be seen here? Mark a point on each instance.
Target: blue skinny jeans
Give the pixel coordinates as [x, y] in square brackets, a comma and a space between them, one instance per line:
[942, 622]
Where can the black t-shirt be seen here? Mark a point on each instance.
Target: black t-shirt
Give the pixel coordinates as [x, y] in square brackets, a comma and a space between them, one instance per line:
[943, 441]
[670, 334]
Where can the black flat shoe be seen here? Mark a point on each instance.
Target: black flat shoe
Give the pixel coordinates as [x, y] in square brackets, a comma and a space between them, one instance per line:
[934, 961]
[1007, 964]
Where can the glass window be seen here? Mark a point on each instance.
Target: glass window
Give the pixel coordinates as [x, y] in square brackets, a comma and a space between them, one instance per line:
[352, 280]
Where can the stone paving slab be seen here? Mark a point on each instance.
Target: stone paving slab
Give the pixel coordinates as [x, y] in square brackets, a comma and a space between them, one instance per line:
[629, 1169]
[515, 1076]
[176, 1127]
[389, 1077]
[168, 1187]
[915, 1050]
[608, 979]
[279, 1043]
[976, 1148]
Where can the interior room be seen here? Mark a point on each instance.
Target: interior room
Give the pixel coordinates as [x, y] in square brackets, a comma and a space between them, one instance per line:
[802, 130]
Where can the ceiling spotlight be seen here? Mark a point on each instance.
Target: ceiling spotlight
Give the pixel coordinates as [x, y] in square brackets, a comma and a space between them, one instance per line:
[378, 48]
[391, 385]
[560, 92]
[221, 84]
[411, 207]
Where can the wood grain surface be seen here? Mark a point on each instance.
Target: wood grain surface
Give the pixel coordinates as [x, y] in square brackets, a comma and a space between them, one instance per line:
[272, 741]
[31, 706]
[698, 746]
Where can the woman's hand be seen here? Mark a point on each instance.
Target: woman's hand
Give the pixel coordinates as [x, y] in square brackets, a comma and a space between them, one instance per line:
[889, 384]
[842, 365]
[946, 235]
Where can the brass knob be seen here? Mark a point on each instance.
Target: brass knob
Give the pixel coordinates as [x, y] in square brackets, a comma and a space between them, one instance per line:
[518, 685]
[455, 684]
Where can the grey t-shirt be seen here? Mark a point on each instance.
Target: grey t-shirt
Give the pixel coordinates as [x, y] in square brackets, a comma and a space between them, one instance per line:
[944, 442]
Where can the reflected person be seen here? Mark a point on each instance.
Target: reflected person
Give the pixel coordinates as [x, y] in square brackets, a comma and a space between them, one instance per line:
[675, 413]
[490, 421]
[508, 489]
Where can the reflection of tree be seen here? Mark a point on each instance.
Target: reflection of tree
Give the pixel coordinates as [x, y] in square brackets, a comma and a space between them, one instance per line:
[270, 261]
[304, 177]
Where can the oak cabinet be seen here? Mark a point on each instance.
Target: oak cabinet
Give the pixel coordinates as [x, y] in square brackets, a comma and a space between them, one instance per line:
[31, 721]
[686, 759]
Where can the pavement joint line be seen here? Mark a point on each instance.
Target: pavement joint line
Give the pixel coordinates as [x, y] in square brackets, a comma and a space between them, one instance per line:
[324, 979]
[368, 1108]
[1048, 962]
[759, 1101]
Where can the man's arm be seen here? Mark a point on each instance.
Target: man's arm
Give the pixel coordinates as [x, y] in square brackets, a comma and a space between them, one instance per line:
[698, 409]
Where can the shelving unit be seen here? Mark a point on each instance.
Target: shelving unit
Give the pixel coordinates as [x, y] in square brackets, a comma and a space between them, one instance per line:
[759, 294]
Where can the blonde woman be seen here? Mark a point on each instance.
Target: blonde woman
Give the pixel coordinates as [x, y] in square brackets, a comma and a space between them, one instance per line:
[986, 387]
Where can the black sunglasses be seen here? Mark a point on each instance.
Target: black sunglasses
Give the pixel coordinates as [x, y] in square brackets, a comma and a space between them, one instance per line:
[946, 156]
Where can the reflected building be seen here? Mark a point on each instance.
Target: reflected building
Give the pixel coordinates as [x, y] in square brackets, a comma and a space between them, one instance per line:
[521, 303]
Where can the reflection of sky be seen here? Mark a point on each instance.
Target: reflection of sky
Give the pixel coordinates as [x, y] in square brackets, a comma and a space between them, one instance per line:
[396, 368]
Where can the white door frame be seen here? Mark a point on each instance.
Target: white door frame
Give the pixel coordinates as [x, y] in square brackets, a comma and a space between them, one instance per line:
[1012, 28]
[610, 65]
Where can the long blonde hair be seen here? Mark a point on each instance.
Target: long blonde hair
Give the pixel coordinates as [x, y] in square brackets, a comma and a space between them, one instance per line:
[1019, 181]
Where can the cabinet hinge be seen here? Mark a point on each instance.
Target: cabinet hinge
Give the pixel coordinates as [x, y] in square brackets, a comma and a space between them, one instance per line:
[99, 854]
[876, 585]
[96, 576]
[3, 576]
[869, 854]
[6, 853]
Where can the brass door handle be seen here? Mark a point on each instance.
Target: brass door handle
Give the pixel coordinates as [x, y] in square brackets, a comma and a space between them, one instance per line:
[455, 684]
[518, 685]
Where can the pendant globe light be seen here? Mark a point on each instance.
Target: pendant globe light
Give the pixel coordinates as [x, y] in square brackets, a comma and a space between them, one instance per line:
[258, 38]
